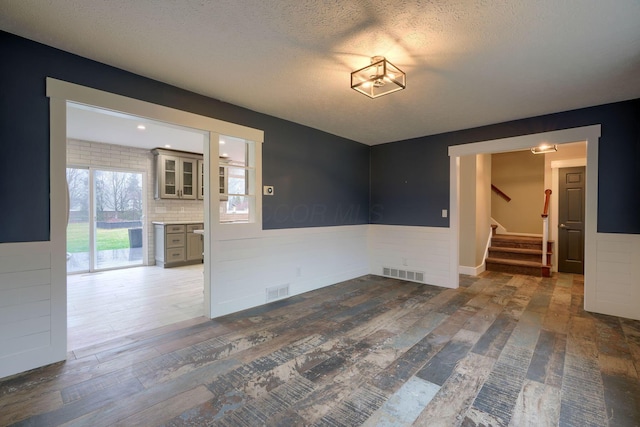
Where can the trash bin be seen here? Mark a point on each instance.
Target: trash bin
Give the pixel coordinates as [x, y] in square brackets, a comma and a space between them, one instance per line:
[135, 237]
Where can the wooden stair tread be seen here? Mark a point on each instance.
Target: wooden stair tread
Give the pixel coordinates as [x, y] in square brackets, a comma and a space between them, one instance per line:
[516, 250]
[516, 262]
[516, 238]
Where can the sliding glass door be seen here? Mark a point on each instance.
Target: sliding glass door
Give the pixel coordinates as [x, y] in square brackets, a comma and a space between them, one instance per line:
[105, 226]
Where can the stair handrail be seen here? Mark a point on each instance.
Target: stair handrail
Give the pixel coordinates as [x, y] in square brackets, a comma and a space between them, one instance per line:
[545, 225]
[500, 193]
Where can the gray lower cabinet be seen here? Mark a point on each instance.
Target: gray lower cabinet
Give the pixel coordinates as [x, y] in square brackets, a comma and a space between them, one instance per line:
[195, 244]
[176, 244]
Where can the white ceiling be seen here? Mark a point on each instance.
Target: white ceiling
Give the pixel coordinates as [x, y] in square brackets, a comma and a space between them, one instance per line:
[99, 125]
[468, 63]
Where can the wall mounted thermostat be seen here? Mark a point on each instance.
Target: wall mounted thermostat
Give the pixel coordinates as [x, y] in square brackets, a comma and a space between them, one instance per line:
[268, 190]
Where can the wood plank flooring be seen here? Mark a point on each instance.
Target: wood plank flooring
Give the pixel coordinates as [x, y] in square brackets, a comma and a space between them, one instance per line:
[110, 304]
[502, 350]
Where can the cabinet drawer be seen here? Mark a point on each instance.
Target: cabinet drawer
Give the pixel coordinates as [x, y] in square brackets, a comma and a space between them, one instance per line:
[175, 240]
[174, 255]
[179, 228]
[191, 227]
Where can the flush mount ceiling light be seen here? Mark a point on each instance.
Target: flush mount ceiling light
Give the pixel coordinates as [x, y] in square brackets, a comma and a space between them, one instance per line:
[544, 148]
[379, 78]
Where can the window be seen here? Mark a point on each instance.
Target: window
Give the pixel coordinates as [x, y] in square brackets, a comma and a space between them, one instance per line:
[237, 176]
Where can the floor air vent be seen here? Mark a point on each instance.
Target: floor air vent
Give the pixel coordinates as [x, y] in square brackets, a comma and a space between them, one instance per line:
[277, 292]
[414, 276]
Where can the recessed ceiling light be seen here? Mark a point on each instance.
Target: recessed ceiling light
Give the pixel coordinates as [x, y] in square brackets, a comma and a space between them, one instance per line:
[167, 146]
[142, 127]
[225, 155]
[221, 142]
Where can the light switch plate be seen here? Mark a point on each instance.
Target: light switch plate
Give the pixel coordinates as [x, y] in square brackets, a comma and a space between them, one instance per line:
[444, 213]
[268, 190]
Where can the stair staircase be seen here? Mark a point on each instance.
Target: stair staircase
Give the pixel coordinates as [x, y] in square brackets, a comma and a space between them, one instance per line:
[515, 254]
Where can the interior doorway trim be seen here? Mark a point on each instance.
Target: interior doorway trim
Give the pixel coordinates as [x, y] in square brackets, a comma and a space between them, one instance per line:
[590, 134]
[61, 92]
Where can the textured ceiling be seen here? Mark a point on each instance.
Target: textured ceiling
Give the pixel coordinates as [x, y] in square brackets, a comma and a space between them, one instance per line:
[468, 63]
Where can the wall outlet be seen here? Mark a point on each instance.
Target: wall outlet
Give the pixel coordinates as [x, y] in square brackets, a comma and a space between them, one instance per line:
[182, 209]
[444, 213]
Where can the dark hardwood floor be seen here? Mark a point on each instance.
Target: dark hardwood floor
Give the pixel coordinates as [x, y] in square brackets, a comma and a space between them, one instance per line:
[501, 350]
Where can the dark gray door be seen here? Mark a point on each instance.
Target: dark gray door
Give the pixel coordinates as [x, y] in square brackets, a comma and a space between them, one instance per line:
[571, 220]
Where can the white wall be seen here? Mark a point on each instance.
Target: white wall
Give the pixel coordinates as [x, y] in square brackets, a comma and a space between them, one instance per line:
[420, 249]
[617, 288]
[25, 306]
[303, 259]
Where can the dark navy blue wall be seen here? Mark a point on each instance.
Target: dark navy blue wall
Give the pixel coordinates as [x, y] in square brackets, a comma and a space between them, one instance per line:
[408, 167]
[330, 188]
[320, 179]
[410, 182]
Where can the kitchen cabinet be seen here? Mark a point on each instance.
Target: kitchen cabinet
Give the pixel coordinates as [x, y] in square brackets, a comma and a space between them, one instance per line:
[176, 174]
[195, 243]
[176, 244]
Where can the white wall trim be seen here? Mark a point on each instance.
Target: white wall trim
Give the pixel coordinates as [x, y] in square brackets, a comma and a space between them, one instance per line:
[591, 135]
[472, 271]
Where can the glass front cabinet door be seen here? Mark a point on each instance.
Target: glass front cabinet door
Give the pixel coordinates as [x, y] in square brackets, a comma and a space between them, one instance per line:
[176, 175]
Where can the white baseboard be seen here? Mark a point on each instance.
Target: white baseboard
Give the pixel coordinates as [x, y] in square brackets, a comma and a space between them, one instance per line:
[471, 271]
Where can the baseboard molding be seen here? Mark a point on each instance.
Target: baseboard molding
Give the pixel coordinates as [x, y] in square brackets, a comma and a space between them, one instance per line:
[471, 271]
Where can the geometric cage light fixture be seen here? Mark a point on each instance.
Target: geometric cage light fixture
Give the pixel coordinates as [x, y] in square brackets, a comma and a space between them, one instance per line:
[379, 78]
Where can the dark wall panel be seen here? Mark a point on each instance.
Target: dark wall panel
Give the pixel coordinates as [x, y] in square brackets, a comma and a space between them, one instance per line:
[334, 180]
[297, 166]
[618, 166]
[410, 183]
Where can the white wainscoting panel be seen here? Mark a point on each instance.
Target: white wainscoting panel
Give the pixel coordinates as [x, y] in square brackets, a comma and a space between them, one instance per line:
[617, 281]
[303, 259]
[25, 306]
[425, 249]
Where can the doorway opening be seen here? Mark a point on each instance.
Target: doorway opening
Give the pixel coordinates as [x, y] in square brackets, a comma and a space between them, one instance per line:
[521, 179]
[60, 94]
[112, 209]
[591, 135]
